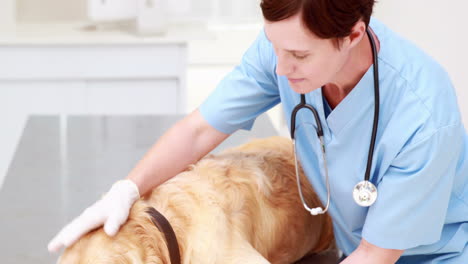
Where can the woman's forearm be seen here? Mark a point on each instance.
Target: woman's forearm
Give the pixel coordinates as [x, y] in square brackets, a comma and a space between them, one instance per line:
[368, 253]
[183, 144]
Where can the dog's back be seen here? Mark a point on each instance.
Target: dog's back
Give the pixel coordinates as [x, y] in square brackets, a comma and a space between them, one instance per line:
[241, 206]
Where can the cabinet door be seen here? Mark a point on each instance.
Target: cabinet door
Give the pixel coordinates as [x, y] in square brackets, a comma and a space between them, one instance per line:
[42, 97]
[130, 97]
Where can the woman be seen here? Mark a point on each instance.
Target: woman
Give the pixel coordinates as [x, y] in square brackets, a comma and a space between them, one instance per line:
[321, 48]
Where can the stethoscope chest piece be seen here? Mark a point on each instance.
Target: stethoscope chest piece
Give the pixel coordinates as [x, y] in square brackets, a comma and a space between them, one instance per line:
[365, 193]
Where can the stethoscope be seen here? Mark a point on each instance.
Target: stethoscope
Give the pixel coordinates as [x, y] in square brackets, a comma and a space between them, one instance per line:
[364, 193]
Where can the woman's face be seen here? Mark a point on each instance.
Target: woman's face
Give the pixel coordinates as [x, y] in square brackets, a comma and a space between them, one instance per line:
[307, 61]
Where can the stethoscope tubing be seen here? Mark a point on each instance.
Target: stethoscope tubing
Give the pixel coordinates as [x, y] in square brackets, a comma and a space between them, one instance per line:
[318, 210]
[376, 107]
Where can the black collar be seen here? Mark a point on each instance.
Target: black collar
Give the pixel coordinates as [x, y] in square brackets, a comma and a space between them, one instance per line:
[171, 240]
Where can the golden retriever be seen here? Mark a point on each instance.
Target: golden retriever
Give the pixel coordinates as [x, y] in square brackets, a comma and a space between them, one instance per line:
[240, 206]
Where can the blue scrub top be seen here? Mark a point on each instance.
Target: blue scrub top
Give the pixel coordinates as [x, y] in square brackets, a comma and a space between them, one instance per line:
[420, 162]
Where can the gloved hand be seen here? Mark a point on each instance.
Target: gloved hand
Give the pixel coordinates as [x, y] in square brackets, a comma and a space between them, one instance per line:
[111, 211]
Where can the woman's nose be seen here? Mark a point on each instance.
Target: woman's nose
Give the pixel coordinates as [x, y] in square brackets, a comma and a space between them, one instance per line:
[283, 67]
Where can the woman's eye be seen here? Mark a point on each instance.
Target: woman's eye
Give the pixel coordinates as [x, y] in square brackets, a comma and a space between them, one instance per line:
[300, 57]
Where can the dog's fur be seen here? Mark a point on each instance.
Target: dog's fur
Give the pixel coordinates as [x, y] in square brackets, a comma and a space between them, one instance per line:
[240, 206]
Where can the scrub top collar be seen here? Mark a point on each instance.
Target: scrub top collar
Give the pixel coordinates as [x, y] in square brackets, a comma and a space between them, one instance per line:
[361, 98]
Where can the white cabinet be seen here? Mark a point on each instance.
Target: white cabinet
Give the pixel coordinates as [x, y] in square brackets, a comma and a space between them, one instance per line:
[127, 76]
[138, 97]
[94, 79]
[150, 76]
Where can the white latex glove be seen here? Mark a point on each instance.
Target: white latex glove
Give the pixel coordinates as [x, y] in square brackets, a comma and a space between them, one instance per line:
[111, 211]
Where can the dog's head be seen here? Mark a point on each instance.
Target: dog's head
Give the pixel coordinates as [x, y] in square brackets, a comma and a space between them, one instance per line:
[138, 242]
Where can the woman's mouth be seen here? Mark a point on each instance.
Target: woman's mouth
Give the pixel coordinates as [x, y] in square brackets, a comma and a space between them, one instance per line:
[295, 80]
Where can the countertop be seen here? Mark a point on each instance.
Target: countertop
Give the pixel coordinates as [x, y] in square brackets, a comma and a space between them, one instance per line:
[222, 44]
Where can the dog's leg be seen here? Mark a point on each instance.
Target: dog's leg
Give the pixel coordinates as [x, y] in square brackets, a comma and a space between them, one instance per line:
[246, 255]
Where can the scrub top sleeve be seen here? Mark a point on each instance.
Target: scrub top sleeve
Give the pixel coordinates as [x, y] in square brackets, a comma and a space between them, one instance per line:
[246, 92]
[414, 193]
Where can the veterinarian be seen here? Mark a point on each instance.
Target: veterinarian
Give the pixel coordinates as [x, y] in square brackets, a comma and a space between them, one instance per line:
[413, 142]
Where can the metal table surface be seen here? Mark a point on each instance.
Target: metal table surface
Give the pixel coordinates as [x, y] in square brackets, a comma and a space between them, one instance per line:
[64, 164]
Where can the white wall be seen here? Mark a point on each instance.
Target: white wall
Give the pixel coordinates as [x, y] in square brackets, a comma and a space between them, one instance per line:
[30, 11]
[440, 28]
[7, 13]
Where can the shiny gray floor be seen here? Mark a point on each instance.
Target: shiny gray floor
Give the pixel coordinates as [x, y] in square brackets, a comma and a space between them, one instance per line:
[62, 165]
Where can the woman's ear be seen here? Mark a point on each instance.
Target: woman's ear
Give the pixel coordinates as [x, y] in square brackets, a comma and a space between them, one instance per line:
[358, 31]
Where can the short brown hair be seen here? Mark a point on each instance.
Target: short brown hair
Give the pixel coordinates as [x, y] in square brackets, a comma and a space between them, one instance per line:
[327, 19]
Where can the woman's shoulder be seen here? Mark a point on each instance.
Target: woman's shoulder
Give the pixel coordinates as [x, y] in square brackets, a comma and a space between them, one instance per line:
[404, 57]
[415, 74]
